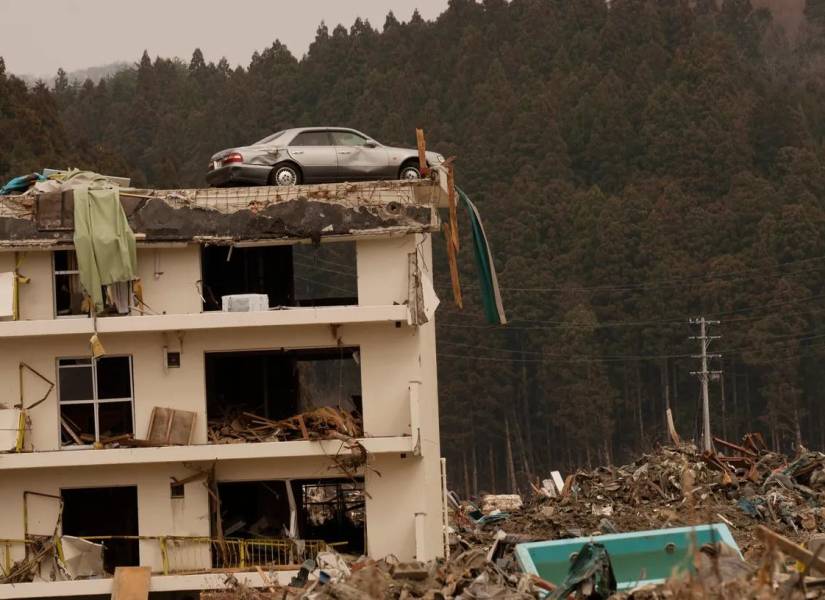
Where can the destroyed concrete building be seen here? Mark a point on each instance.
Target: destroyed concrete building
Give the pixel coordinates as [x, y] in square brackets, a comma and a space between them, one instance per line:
[266, 387]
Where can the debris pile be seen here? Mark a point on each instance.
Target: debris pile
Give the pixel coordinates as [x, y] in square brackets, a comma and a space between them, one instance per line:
[322, 423]
[680, 486]
[469, 575]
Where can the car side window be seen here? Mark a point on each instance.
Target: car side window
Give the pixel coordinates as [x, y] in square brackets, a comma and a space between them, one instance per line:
[311, 138]
[347, 138]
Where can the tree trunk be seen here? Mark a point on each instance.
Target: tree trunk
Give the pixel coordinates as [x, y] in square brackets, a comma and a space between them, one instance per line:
[735, 393]
[511, 467]
[492, 472]
[675, 385]
[475, 467]
[724, 406]
[797, 425]
[748, 402]
[466, 475]
[522, 450]
[639, 404]
[528, 432]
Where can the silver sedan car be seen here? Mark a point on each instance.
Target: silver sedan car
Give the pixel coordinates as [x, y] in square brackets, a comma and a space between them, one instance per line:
[314, 155]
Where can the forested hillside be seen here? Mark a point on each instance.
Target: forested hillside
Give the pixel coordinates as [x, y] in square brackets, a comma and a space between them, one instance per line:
[636, 166]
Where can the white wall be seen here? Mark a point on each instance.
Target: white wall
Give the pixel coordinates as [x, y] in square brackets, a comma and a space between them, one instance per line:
[391, 357]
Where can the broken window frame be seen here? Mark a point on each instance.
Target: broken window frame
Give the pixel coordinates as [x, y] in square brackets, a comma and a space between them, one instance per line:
[69, 273]
[95, 401]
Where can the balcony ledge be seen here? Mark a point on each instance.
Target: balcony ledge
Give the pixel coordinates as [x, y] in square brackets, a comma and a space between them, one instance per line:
[158, 583]
[196, 453]
[326, 315]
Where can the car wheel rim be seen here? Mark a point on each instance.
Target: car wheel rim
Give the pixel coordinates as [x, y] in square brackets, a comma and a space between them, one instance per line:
[286, 177]
[410, 173]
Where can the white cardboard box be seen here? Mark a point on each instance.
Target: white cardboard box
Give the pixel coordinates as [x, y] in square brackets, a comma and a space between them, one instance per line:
[245, 302]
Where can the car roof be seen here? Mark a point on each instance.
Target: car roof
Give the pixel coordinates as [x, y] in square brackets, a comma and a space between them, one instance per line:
[296, 130]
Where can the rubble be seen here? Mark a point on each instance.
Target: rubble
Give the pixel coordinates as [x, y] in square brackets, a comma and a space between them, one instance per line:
[680, 486]
[321, 423]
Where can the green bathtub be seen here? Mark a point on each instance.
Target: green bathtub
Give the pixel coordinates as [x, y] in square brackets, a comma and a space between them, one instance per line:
[638, 558]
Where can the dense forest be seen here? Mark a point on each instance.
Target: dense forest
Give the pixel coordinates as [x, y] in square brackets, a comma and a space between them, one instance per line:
[637, 163]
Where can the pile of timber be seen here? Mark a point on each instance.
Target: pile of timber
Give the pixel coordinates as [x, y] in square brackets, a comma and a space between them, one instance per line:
[322, 423]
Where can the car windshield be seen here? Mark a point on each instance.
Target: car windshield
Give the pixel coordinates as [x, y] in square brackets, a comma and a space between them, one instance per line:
[268, 139]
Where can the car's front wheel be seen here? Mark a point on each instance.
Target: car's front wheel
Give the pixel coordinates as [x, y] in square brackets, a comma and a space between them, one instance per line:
[285, 174]
[410, 172]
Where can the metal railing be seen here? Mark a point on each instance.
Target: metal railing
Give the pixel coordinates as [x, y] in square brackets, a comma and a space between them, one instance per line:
[181, 554]
[192, 553]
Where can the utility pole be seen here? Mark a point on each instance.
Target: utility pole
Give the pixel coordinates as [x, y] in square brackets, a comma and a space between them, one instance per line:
[704, 375]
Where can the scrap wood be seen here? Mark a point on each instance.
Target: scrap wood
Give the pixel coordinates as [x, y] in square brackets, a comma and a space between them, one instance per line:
[317, 424]
[793, 550]
[732, 446]
[131, 583]
[68, 429]
[453, 262]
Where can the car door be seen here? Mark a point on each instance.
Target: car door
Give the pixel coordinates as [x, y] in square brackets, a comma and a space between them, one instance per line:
[315, 154]
[359, 157]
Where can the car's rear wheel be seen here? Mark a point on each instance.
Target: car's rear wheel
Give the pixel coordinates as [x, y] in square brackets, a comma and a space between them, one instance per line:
[285, 174]
[409, 171]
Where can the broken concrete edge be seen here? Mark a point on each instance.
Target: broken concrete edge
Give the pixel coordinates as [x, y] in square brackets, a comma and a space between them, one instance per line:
[228, 215]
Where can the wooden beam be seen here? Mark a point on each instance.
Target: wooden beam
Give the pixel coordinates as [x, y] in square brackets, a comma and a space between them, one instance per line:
[453, 262]
[790, 548]
[422, 152]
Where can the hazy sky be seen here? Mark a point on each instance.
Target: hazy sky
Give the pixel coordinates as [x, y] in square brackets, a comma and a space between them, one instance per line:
[41, 35]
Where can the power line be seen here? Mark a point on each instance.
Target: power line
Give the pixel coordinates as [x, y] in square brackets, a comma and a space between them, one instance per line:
[671, 282]
[553, 324]
[607, 358]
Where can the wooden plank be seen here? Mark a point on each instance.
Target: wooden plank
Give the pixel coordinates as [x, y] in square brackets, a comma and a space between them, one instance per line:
[422, 152]
[67, 428]
[793, 550]
[303, 426]
[180, 428]
[453, 205]
[159, 425]
[731, 446]
[131, 583]
[453, 262]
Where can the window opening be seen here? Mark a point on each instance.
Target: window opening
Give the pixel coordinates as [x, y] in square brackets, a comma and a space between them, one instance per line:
[177, 490]
[333, 510]
[104, 511]
[276, 385]
[254, 513]
[298, 275]
[96, 399]
[68, 293]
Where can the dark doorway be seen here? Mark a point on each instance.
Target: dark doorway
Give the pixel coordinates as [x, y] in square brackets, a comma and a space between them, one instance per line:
[109, 511]
[278, 384]
[254, 509]
[332, 510]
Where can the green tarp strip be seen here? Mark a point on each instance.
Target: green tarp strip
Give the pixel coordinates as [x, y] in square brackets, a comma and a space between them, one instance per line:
[103, 240]
[490, 293]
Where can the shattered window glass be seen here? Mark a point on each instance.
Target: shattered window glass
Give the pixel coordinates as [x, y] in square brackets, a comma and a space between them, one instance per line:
[96, 399]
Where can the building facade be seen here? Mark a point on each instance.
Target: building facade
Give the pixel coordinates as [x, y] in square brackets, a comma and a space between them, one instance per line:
[347, 326]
